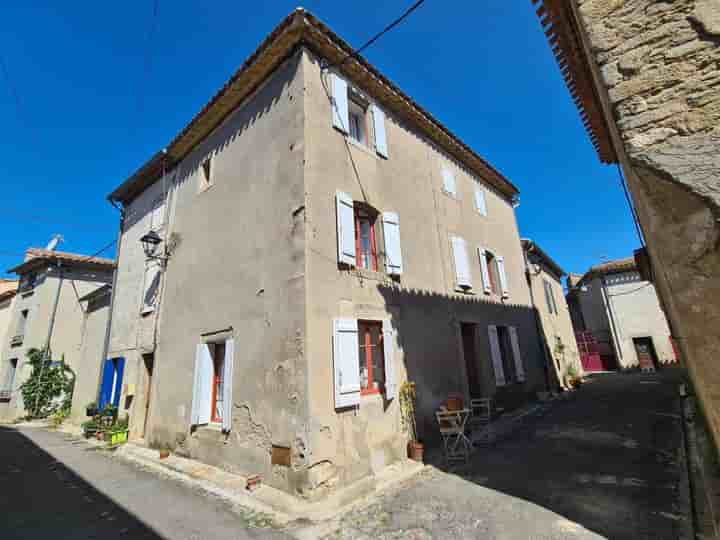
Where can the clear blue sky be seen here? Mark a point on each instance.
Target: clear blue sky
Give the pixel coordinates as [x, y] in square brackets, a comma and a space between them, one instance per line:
[87, 97]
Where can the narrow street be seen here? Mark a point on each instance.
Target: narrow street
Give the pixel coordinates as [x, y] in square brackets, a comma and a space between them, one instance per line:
[602, 464]
[55, 488]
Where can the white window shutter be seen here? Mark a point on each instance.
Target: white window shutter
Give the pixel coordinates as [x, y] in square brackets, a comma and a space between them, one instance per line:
[393, 253]
[391, 386]
[346, 363]
[151, 286]
[482, 252]
[449, 181]
[480, 204]
[380, 135]
[340, 103]
[202, 386]
[227, 396]
[462, 264]
[503, 276]
[519, 367]
[345, 228]
[496, 356]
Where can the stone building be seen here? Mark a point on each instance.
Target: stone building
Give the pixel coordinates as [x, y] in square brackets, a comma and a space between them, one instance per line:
[546, 289]
[48, 310]
[645, 78]
[8, 291]
[621, 310]
[314, 238]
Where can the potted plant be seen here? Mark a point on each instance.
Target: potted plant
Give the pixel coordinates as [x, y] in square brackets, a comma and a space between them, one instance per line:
[91, 409]
[119, 431]
[89, 428]
[408, 398]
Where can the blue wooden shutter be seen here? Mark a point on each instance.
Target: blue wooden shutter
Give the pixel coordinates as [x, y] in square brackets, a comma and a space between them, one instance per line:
[106, 386]
[119, 364]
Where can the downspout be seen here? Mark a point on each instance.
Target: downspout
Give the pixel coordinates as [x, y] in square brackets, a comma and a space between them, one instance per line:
[106, 343]
[51, 326]
[611, 317]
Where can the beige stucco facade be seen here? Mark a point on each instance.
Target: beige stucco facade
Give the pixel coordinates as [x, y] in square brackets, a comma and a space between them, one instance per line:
[64, 325]
[253, 257]
[545, 279]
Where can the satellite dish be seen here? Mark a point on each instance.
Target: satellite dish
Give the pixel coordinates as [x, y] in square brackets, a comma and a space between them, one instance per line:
[54, 241]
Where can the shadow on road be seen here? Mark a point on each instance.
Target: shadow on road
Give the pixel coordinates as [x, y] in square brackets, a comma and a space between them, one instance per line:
[43, 499]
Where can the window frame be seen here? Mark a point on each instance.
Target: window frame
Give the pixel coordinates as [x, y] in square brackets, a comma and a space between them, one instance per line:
[371, 216]
[218, 363]
[493, 273]
[507, 356]
[364, 326]
[357, 109]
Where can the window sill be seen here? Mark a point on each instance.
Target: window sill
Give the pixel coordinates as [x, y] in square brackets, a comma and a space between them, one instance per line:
[25, 294]
[144, 312]
[452, 196]
[464, 290]
[360, 146]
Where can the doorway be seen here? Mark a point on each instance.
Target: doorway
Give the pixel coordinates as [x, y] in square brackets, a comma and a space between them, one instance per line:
[645, 353]
[468, 332]
[149, 362]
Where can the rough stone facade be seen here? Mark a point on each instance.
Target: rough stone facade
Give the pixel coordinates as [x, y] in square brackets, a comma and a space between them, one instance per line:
[657, 77]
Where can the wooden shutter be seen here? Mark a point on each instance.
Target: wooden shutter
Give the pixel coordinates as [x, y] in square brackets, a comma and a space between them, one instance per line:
[482, 255]
[107, 381]
[449, 181]
[519, 367]
[151, 285]
[346, 363]
[119, 365]
[496, 356]
[462, 265]
[391, 385]
[503, 277]
[228, 385]
[340, 103]
[345, 228]
[548, 296]
[391, 233]
[380, 136]
[202, 386]
[480, 204]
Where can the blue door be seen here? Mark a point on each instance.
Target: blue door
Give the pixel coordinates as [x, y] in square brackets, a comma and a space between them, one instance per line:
[111, 386]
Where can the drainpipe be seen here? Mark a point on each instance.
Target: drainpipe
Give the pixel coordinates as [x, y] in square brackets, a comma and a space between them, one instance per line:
[108, 326]
[611, 317]
[51, 327]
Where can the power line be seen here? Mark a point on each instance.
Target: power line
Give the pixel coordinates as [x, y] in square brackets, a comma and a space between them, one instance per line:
[380, 34]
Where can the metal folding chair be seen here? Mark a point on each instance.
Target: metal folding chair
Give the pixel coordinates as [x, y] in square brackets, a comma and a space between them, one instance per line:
[481, 427]
[452, 429]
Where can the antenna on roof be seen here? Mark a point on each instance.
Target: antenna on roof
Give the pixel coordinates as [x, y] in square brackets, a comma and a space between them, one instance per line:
[54, 241]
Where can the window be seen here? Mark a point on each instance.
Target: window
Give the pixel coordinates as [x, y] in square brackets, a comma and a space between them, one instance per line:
[372, 361]
[505, 352]
[212, 385]
[449, 185]
[6, 390]
[493, 274]
[480, 204]
[218, 354]
[206, 170]
[358, 125]
[494, 277]
[151, 286]
[463, 279]
[365, 242]
[21, 327]
[550, 297]
[28, 282]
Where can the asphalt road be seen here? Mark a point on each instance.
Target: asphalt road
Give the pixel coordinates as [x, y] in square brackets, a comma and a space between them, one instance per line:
[52, 488]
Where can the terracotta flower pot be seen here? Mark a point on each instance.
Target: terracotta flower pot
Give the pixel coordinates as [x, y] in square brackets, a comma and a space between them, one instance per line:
[416, 450]
[454, 403]
[164, 454]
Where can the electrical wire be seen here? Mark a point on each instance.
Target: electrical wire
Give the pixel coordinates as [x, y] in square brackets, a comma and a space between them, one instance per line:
[380, 34]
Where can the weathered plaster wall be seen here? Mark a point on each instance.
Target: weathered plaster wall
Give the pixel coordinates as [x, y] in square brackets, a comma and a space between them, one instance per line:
[239, 264]
[6, 309]
[423, 307]
[555, 325]
[90, 357]
[659, 64]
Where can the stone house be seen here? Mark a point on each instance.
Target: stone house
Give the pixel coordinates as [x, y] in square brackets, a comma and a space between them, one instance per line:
[644, 77]
[314, 238]
[621, 310]
[46, 311]
[546, 289]
[8, 291]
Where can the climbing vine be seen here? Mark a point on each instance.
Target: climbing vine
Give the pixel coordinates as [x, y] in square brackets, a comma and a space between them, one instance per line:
[49, 388]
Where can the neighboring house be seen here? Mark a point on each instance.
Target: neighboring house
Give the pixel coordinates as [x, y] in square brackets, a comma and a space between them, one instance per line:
[96, 309]
[644, 77]
[322, 240]
[47, 309]
[621, 311]
[8, 291]
[545, 279]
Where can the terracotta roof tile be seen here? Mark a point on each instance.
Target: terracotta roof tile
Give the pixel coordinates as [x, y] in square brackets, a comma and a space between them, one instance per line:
[34, 257]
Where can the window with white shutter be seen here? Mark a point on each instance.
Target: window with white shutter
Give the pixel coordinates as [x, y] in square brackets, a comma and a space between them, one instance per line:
[391, 234]
[227, 385]
[380, 135]
[340, 115]
[515, 345]
[346, 363]
[496, 355]
[151, 286]
[345, 229]
[391, 385]
[449, 185]
[503, 276]
[201, 410]
[462, 264]
[484, 270]
[480, 204]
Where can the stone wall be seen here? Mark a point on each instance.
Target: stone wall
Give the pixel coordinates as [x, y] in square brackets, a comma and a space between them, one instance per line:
[660, 85]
